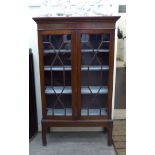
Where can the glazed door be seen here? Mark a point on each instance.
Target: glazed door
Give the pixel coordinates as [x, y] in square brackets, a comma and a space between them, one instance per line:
[56, 72]
[95, 47]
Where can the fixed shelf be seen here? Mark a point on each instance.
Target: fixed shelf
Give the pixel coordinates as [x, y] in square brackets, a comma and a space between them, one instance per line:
[93, 112]
[69, 50]
[83, 68]
[59, 112]
[68, 90]
[68, 112]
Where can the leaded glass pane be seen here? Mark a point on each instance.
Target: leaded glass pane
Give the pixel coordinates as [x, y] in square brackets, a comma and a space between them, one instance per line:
[94, 73]
[57, 71]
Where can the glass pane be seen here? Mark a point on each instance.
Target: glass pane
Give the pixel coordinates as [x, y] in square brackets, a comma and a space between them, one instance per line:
[57, 73]
[94, 73]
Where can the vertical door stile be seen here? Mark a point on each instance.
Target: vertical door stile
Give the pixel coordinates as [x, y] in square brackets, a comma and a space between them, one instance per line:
[74, 75]
[41, 66]
[111, 69]
[78, 50]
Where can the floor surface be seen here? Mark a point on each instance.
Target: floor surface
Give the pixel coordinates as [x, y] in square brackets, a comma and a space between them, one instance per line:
[120, 88]
[119, 114]
[81, 143]
[119, 136]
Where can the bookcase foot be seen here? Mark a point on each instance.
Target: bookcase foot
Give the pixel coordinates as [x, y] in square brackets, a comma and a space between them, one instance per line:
[44, 139]
[48, 130]
[104, 130]
[109, 130]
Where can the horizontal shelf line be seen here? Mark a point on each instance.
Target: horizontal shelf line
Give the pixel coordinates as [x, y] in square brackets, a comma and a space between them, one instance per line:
[57, 68]
[68, 90]
[103, 41]
[94, 68]
[59, 112]
[94, 90]
[84, 112]
[68, 51]
[93, 112]
[83, 68]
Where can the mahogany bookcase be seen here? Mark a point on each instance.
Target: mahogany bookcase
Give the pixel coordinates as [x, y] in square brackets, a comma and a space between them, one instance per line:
[76, 58]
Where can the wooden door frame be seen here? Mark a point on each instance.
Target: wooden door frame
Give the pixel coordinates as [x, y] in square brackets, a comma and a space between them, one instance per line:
[110, 74]
[73, 73]
[76, 70]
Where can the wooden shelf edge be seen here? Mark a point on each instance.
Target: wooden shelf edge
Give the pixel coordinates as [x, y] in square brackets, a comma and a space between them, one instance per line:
[77, 123]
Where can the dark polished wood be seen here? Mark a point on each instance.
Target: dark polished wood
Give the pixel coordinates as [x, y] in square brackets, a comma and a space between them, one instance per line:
[111, 70]
[41, 66]
[74, 78]
[48, 23]
[110, 19]
[78, 75]
[76, 26]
